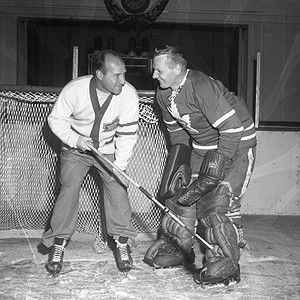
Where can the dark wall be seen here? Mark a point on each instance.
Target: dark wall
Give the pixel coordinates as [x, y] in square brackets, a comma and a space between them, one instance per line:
[210, 48]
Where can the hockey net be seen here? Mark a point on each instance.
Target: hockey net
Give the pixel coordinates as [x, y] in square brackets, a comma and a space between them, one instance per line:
[29, 156]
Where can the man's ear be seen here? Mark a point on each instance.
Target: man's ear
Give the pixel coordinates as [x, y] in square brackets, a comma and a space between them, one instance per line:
[177, 69]
[99, 74]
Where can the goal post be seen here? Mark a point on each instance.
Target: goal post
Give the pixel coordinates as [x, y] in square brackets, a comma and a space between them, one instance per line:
[29, 156]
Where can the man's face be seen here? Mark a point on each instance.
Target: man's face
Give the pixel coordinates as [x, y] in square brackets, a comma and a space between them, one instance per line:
[114, 78]
[165, 75]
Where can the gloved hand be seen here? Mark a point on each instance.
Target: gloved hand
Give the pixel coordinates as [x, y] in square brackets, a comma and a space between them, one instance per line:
[210, 175]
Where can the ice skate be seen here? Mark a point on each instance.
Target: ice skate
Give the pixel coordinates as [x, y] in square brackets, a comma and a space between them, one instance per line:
[55, 260]
[123, 259]
[208, 281]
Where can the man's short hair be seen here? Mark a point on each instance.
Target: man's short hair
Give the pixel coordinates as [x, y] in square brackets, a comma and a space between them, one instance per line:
[174, 54]
[98, 60]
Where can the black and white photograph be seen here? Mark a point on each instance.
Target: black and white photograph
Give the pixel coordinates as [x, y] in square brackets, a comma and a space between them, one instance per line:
[149, 149]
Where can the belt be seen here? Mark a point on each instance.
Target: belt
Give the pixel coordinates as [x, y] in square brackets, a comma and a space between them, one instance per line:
[67, 147]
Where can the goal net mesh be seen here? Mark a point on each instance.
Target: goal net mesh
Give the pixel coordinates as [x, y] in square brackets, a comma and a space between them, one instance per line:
[29, 165]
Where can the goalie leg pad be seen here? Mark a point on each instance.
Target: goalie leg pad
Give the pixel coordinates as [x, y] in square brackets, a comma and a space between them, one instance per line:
[221, 262]
[175, 248]
[176, 234]
[217, 201]
[162, 254]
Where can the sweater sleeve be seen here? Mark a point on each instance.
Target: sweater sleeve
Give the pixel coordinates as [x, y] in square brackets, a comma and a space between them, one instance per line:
[127, 129]
[59, 119]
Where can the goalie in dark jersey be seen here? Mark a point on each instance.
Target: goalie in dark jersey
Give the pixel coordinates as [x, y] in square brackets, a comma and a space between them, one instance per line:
[209, 165]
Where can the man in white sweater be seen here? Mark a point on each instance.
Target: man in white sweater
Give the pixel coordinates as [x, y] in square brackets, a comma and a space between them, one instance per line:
[99, 109]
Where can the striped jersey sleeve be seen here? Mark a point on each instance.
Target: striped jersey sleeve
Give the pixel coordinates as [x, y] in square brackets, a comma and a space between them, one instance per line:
[213, 102]
[248, 138]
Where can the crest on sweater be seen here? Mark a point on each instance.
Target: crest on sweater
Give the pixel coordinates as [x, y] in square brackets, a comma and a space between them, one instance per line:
[184, 121]
[111, 125]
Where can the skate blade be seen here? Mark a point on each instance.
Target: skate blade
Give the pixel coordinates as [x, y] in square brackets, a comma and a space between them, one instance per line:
[53, 274]
[218, 285]
[232, 280]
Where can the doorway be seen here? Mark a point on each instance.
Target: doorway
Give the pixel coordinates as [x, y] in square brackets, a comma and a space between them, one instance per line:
[218, 50]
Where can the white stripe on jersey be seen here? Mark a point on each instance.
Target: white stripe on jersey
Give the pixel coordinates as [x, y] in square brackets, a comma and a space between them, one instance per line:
[249, 137]
[205, 147]
[233, 130]
[249, 127]
[223, 118]
[170, 123]
[174, 129]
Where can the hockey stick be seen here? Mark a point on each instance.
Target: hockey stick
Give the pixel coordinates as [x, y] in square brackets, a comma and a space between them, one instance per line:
[152, 198]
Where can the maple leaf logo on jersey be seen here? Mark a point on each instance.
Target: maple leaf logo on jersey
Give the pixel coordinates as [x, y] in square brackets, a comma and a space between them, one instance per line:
[174, 111]
[185, 120]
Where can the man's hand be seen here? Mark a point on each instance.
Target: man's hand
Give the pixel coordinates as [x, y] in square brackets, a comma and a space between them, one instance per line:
[83, 143]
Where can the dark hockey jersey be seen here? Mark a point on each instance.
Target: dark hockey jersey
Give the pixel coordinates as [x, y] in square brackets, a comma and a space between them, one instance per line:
[206, 114]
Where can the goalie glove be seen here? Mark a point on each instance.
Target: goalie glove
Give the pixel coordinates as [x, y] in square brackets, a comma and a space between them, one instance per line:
[210, 175]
